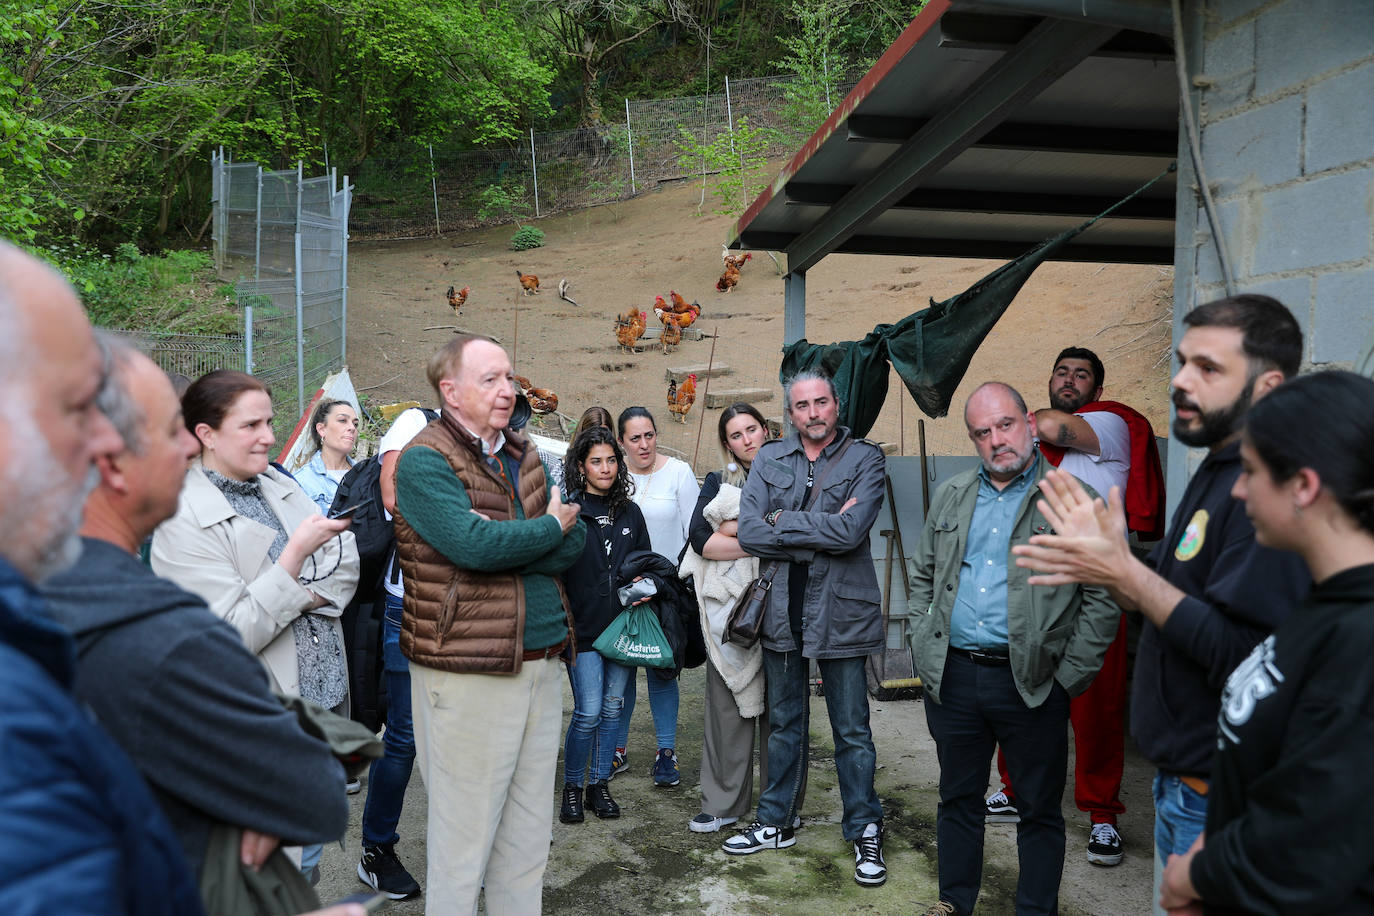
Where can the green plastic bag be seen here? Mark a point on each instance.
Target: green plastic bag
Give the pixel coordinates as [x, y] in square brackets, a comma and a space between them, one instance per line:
[635, 638]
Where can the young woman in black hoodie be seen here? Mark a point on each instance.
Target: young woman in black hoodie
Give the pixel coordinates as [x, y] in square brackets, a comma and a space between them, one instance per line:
[597, 478]
[1287, 825]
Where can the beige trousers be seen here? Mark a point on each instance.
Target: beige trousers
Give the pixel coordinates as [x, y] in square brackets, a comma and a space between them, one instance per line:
[486, 746]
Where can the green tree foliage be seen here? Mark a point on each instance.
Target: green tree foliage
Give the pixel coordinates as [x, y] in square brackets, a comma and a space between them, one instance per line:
[735, 160]
[132, 97]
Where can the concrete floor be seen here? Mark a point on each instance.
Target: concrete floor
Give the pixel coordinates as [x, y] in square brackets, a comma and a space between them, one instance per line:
[648, 862]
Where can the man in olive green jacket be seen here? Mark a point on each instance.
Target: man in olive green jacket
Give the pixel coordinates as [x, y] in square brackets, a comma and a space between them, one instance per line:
[998, 658]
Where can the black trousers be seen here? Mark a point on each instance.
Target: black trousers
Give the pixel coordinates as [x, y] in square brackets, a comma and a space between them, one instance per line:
[979, 709]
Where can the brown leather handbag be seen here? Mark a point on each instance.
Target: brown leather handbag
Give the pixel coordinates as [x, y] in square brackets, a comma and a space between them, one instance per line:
[745, 623]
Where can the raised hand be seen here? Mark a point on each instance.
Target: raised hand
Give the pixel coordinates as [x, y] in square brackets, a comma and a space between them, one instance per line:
[1090, 543]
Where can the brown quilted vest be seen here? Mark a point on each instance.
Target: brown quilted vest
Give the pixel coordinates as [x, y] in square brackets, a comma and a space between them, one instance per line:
[457, 619]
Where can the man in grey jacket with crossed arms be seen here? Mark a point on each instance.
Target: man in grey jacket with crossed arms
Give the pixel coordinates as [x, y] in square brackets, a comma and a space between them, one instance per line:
[824, 604]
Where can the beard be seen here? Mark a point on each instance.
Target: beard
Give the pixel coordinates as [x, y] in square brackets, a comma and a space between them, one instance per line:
[1213, 426]
[44, 521]
[1068, 400]
[820, 432]
[1023, 459]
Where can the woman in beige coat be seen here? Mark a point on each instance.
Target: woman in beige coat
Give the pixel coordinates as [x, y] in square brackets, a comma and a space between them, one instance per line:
[256, 549]
[281, 580]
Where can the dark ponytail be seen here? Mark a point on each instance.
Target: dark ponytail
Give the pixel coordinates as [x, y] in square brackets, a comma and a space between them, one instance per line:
[1323, 421]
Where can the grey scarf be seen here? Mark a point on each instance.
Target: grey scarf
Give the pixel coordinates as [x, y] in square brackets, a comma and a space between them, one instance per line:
[320, 657]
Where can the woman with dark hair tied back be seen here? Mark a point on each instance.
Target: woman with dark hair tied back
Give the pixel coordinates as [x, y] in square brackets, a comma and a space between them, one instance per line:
[1286, 820]
[665, 489]
[333, 431]
[255, 548]
[721, 570]
[597, 476]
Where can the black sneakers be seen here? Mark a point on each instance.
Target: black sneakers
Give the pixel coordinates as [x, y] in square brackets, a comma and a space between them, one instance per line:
[381, 870]
[869, 868]
[1001, 809]
[1104, 846]
[571, 811]
[600, 801]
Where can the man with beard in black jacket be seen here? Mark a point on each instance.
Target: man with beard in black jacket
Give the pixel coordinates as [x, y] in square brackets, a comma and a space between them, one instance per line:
[174, 684]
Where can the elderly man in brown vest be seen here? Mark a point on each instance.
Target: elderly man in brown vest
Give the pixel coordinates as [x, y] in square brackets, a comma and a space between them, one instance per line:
[481, 541]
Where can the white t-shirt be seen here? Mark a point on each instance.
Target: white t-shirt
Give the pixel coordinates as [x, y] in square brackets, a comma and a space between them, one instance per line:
[667, 498]
[406, 427]
[1112, 464]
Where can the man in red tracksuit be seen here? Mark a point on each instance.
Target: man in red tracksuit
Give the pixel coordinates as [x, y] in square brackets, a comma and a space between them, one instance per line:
[1104, 444]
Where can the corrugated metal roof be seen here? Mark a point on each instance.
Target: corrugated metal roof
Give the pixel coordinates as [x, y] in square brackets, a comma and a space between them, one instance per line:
[981, 135]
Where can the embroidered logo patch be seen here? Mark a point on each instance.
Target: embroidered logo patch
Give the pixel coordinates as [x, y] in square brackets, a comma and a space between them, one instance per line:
[1193, 536]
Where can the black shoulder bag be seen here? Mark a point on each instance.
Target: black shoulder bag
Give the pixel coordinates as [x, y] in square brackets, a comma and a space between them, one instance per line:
[745, 622]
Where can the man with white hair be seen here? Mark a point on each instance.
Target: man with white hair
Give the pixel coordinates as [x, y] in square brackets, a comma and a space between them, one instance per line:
[83, 834]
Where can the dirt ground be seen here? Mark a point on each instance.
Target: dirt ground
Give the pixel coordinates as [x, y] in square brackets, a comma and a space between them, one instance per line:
[624, 254]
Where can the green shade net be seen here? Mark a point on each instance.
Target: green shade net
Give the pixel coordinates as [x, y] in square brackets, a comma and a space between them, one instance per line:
[931, 349]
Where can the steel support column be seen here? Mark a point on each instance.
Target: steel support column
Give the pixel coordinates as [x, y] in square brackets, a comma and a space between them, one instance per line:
[793, 307]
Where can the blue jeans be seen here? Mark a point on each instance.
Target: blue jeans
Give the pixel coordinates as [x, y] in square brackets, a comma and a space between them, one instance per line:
[390, 773]
[1180, 815]
[789, 711]
[663, 703]
[598, 687]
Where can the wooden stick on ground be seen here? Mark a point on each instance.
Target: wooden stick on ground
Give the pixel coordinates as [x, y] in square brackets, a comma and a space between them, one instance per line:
[701, 421]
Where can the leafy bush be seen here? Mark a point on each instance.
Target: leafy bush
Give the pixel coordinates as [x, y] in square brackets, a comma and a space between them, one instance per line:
[527, 237]
[737, 160]
[175, 291]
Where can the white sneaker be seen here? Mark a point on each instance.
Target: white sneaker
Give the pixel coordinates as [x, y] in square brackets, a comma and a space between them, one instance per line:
[758, 837]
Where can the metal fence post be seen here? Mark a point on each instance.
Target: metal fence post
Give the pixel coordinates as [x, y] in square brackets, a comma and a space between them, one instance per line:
[248, 339]
[343, 300]
[534, 168]
[300, 332]
[257, 224]
[630, 135]
[434, 189]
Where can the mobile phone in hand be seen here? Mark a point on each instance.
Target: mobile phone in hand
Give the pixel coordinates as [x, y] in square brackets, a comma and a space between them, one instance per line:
[347, 511]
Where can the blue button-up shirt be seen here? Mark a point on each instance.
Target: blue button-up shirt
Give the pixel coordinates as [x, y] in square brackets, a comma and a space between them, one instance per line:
[979, 620]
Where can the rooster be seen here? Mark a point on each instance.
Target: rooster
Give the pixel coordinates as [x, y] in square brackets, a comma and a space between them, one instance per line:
[541, 400]
[672, 333]
[684, 312]
[734, 260]
[456, 300]
[680, 400]
[728, 280]
[629, 327]
[529, 281]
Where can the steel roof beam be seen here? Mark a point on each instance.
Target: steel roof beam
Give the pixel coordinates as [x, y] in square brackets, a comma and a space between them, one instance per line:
[1053, 138]
[999, 249]
[958, 200]
[1052, 49]
[1152, 16]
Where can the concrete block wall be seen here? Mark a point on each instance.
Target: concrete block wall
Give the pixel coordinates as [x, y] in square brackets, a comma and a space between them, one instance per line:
[1284, 95]
[1284, 91]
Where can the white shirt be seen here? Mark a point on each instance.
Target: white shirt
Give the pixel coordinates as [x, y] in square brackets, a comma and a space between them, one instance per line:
[406, 427]
[667, 498]
[1112, 464]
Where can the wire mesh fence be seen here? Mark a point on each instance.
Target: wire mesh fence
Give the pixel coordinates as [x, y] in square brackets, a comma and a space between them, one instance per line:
[413, 190]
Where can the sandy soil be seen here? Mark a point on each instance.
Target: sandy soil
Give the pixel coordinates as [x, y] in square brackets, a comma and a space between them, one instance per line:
[624, 254]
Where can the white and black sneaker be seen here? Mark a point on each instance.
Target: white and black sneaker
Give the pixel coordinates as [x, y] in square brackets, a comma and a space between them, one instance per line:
[1104, 846]
[381, 870]
[1001, 810]
[869, 868]
[709, 823]
[758, 837]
